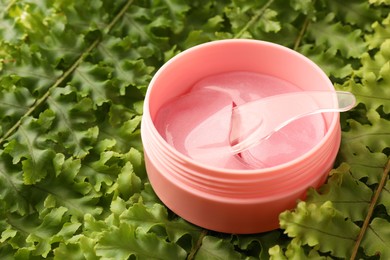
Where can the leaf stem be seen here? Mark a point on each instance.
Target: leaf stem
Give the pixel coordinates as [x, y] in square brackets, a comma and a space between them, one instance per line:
[371, 210]
[254, 19]
[303, 30]
[42, 99]
[9, 6]
[66, 74]
[301, 33]
[118, 16]
[198, 244]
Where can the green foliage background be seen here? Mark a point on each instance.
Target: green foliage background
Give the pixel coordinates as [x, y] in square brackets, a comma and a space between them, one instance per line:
[73, 75]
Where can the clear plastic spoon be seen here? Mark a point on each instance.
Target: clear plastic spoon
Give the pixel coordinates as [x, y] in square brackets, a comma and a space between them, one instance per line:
[257, 120]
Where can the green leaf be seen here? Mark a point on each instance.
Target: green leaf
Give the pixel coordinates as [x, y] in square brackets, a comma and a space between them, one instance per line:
[327, 59]
[321, 226]
[295, 250]
[92, 81]
[276, 253]
[377, 238]
[207, 23]
[336, 36]
[127, 70]
[128, 182]
[381, 33]
[137, 161]
[66, 190]
[148, 195]
[175, 10]
[67, 232]
[28, 147]
[13, 194]
[214, 248]
[341, 189]
[363, 145]
[252, 19]
[88, 247]
[125, 241]
[378, 2]
[101, 172]
[355, 12]
[147, 218]
[74, 126]
[305, 6]
[257, 246]
[384, 198]
[69, 250]
[14, 103]
[37, 236]
[122, 124]
[375, 77]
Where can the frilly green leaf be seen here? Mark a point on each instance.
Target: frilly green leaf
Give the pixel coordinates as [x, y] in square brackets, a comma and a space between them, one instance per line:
[252, 19]
[374, 74]
[128, 182]
[384, 198]
[74, 127]
[363, 146]
[343, 38]
[327, 59]
[257, 246]
[381, 33]
[377, 238]
[378, 2]
[102, 171]
[305, 6]
[92, 80]
[355, 12]
[214, 248]
[341, 189]
[28, 147]
[67, 190]
[14, 103]
[13, 193]
[38, 235]
[70, 251]
[321, 226]
[147, 218]
[125, 241]
[295, 250]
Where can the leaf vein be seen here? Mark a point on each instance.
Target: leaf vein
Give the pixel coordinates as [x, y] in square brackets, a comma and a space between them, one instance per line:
[14, 106]
[373, 97]
[66, 120]
[323, 232]
[29, 145]
[82, 75]
[377, 235]
[347, 139]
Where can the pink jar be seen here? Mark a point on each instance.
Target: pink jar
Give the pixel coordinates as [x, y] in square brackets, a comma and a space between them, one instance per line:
[227, 200]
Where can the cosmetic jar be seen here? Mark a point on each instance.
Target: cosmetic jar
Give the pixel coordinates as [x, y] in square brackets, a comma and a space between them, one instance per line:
[234, 200]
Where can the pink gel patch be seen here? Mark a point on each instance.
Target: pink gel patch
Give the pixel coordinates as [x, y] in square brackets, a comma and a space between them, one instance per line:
[197, 124]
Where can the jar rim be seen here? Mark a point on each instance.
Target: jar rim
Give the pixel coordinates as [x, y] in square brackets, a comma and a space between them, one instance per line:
[330, 130]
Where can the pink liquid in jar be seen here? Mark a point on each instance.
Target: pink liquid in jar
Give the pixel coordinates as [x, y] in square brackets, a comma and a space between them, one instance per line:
[198, 123]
